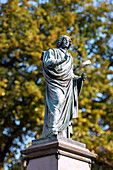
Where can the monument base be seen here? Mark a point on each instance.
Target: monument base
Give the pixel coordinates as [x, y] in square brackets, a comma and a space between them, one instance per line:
[58, 153]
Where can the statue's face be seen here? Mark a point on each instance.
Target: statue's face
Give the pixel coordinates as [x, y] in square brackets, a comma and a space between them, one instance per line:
[65, 43]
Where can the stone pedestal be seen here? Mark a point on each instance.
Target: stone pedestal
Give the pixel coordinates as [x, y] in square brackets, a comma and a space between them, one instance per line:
[58, 153]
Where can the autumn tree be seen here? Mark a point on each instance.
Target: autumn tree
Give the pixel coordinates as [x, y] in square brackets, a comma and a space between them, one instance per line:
[26, 29]
[21, 87]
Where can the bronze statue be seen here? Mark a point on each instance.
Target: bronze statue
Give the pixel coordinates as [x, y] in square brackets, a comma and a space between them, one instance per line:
[62, 89]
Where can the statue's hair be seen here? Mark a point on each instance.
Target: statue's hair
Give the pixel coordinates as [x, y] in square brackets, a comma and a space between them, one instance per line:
[60, 40]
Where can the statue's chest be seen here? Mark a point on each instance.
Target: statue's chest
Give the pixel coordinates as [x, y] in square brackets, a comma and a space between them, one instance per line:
[59, 55]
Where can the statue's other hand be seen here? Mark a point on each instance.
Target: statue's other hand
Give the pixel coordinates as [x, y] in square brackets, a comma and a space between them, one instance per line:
[83, 77]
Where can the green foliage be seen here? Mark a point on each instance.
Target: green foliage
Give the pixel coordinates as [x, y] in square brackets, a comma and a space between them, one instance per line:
[25, 31]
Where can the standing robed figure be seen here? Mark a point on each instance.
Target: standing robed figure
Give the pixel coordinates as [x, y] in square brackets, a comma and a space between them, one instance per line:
[62, 89]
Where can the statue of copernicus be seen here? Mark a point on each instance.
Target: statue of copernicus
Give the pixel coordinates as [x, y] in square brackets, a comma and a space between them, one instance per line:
[62, 89]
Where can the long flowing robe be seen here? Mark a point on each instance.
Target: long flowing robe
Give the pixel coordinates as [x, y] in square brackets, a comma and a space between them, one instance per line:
[62, 91]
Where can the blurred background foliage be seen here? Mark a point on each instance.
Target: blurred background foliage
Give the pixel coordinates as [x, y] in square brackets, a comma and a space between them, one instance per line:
[27, 28]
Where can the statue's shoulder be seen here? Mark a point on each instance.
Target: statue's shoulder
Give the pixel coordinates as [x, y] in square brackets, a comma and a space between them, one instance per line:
[49, 51]
[52, 49]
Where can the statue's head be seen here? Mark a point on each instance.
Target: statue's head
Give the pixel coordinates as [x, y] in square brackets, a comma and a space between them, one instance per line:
[64, 41]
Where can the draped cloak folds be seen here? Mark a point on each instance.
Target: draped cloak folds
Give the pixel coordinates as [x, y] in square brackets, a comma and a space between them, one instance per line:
[62, 91]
